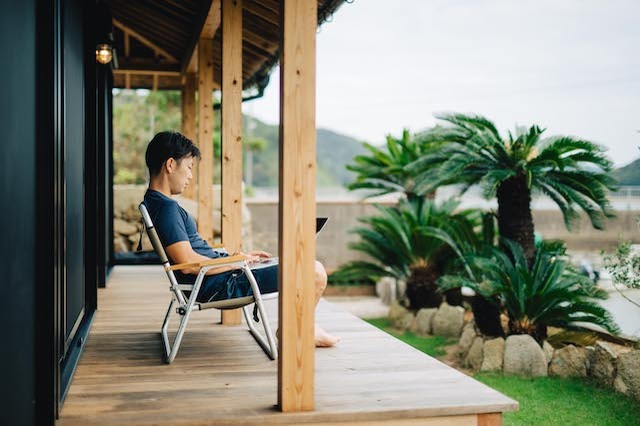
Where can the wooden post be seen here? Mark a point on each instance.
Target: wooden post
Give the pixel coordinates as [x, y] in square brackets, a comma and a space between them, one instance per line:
[231, 124]
[205, 140]
[188, 127]
[297, 207]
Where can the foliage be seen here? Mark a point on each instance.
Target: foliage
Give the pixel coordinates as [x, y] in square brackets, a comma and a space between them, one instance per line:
[559, 401]
[573, 172]
[434, 346]
[384, 170]
[139, 115]
[550, 293]
[415, 242]
[624, 265]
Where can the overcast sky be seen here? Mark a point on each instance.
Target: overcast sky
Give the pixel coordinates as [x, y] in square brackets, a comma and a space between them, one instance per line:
[572, 66]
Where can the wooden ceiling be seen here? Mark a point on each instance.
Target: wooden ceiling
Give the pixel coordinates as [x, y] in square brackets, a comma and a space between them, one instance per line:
[155, 39]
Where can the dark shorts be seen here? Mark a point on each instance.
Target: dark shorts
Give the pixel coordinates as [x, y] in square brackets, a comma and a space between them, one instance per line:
[232, 284]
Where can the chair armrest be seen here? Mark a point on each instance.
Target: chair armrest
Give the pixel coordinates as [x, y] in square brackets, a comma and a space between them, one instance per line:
[216, 246]
[219, 261]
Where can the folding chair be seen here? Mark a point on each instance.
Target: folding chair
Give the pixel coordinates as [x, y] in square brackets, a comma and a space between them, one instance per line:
[185, 305]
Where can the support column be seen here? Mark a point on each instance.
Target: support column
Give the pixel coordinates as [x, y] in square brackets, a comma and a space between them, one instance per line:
[188, 127]
[205, 138]
[297, 207]
[231, 135]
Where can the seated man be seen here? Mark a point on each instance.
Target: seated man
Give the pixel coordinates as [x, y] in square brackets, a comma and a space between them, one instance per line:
[170, 157]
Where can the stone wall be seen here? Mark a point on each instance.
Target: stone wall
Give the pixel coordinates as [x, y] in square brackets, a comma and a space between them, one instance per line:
[612, 365]
[126, 217]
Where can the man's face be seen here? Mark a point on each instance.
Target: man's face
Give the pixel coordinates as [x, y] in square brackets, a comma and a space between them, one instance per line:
[180, 175]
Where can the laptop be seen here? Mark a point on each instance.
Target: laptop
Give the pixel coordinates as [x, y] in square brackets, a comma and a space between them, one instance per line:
[320, 222]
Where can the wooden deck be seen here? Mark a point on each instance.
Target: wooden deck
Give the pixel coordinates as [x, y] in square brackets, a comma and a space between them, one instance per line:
[221, 376]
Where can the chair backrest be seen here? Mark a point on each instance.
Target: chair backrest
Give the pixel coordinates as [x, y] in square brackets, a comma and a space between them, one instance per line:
[157, 246]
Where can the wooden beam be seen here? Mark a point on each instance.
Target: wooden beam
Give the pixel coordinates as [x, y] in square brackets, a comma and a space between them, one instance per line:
[155, 82]
[205, 28]
[142, 39]
[205, 138]
[127, 81]
[231, 125]
[490, 419]
[188, 127]
[127, 45]
[297, 206]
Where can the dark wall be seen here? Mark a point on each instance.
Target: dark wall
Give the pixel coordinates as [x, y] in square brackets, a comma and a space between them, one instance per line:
[19, 243]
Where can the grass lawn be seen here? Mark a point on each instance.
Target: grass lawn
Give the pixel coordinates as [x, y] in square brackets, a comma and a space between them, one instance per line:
[543, 400]
[433, 345]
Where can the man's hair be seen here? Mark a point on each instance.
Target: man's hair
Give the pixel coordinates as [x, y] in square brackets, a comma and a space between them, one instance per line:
[167, 145]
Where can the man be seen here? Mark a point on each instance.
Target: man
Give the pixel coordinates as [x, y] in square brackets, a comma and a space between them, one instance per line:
[170, 157]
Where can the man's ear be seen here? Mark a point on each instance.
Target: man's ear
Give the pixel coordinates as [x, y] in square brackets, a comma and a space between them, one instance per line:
[170, 165]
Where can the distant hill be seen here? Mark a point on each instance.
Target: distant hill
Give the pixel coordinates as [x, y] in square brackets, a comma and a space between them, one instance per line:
[629, 174]
[334, 152]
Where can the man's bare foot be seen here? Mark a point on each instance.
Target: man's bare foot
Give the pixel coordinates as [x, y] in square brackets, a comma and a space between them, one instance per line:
[324, 339]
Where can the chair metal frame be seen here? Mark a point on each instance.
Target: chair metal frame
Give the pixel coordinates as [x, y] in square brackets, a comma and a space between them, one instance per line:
[184, 306]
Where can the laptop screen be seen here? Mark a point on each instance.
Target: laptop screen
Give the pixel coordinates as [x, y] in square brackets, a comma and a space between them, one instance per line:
[320, 221]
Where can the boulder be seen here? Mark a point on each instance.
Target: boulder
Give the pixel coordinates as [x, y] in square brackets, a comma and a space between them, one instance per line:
[627, 379]
[524, 356]
[569, 361]
[493, 355]
[466, 339]
[474, 357]
[124, 227]
[386, 290]
[424, 319]
[548, 351]
[119, 244]
[448, 320]
[405, 322]
[603, 363]
[396, 311]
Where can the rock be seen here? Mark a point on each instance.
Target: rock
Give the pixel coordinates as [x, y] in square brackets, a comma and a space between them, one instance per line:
[135, 239]
[627, 379]
[524, 356]
[548, 351]
[386, 290]
[405, 322]
[466, 339]
[448, 321]
[396, 311]
[124, 227]
[493, 355]
[119, 244]
[603, 363]
[474, 357]
[569, 361]
[424, 320]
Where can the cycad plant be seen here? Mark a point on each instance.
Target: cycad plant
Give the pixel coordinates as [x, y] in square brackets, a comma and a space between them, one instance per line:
[549, 293]
[384, 170]
[573, 172]
[414, 242]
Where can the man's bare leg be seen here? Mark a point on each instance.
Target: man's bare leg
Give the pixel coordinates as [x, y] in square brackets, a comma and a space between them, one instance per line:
[322, 338]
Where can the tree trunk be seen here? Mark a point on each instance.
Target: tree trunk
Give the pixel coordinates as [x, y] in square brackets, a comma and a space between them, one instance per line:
[487, 316]
[515, 221]
[422, 290]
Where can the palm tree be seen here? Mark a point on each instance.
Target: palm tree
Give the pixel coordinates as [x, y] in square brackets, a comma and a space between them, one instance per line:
[550, 293]
[415, 242]
[384, 170]
[573, 172]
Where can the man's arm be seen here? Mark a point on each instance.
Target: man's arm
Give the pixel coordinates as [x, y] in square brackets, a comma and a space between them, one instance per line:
[181, 252]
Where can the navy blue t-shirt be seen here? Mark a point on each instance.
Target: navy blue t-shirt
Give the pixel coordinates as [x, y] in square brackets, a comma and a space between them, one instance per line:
[173, 224]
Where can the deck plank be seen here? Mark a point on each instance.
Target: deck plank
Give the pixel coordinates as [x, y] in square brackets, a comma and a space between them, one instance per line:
[221, 375]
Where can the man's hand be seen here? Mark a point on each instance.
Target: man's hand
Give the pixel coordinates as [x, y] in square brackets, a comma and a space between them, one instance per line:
[253, 256]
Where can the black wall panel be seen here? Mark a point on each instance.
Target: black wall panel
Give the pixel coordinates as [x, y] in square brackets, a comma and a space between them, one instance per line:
[18, 243]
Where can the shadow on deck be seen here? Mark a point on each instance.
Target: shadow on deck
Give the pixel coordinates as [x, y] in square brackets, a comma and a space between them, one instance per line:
[222, 376]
